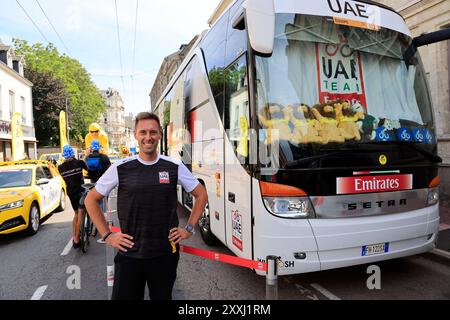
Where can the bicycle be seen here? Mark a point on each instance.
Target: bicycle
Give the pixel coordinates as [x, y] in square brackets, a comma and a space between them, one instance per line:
[87, 228]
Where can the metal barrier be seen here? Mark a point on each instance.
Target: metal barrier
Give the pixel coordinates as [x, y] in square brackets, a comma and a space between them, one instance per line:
[109, 252]
[272, 278]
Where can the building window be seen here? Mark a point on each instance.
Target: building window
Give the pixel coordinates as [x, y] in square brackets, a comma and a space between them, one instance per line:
[12, 104]
[24, 110]
[1, 106]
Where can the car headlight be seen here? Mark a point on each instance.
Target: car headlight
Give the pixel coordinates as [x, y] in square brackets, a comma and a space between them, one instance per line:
[290, 207]
[433, 197]
[12, 205]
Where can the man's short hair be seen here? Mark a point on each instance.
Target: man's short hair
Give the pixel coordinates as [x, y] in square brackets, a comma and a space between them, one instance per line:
[147, 116]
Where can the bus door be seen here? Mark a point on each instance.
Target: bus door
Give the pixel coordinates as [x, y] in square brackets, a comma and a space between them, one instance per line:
[186, 152]
[238, 196]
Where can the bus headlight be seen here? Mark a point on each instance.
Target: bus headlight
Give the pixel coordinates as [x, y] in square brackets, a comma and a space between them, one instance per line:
[290, 207]
[433, 197]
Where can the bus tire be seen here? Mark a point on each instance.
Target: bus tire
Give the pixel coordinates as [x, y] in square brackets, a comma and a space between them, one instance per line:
[205, 228]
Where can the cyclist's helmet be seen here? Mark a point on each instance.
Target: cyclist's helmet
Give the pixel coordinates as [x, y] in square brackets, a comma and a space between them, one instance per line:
[95, 146]
[68, 152]
[94, 127]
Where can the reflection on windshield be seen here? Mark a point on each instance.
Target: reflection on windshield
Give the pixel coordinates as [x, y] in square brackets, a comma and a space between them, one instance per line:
[327, 83]
[14, 179]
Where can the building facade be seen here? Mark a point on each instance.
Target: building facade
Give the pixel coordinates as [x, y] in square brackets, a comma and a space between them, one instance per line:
[113, 120]
[424, 16]
[15, 96]
[167, 70]
[118, 127]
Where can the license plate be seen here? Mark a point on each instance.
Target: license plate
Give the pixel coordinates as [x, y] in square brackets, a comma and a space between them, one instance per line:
[375, 249]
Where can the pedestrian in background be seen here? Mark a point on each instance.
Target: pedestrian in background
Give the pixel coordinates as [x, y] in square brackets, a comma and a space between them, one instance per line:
[72, 173]
[147, 207]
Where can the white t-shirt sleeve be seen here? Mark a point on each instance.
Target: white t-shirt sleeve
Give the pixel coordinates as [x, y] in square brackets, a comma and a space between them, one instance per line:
[186, 179]
[108, 181]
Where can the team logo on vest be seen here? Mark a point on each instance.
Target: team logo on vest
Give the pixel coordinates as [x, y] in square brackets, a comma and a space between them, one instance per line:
[164, 177]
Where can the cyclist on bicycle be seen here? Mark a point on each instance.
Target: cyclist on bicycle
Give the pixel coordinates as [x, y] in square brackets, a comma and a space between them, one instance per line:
[72, 173]
[97, 162]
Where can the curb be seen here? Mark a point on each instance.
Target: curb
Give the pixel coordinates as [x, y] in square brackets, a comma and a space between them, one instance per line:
[441, 253]
[439, 256]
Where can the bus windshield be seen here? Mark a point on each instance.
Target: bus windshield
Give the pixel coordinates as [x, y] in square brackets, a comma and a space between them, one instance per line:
[329, 87]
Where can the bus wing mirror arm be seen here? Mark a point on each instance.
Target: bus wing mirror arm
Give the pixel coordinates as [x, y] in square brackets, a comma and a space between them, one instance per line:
[433, 37]
[424, 40]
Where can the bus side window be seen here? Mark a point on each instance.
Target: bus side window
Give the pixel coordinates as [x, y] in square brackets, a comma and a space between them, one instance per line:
[214, 47]
[237, 110]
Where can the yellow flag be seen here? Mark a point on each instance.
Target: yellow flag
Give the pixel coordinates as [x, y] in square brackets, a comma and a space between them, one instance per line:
[63, 130]
[18, 147]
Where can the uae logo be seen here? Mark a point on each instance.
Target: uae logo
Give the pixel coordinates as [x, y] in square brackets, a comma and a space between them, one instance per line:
[164, 177]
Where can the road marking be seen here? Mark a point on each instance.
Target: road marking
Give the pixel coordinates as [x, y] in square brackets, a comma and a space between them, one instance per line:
[67, 248]
[39, 293]
[325, 292]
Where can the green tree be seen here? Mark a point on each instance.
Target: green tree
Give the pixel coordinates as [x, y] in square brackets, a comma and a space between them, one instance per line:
[47, 96]
[85, 101]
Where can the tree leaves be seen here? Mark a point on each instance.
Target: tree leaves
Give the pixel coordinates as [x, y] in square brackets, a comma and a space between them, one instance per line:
[55, 78]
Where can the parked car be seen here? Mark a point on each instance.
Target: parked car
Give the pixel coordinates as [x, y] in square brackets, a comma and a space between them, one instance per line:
[55, 158]
[29, 191]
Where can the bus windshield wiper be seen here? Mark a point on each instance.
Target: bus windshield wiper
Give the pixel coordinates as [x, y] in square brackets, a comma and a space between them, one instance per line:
[299, 162]
[414, 146]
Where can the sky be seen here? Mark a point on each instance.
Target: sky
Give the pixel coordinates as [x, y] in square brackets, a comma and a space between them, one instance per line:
[88, 31]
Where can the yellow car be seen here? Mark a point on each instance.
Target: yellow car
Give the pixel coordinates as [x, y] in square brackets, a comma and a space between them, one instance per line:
[55, 158]
[29, 191]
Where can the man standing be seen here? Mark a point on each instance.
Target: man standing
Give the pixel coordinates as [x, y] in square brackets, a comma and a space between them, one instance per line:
[72, 172]
[97, 162]
[147, 209]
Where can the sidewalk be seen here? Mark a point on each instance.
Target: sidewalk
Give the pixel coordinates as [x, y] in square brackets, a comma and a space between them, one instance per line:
[444, 226]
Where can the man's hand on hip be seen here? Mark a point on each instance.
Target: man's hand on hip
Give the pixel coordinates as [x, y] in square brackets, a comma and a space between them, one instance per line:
[179, 234]
[120, 241]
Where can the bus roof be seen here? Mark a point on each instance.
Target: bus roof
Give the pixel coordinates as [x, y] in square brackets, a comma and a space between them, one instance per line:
[224, 5]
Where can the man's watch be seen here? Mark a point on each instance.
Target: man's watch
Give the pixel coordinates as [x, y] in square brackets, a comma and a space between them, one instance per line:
[190, 228]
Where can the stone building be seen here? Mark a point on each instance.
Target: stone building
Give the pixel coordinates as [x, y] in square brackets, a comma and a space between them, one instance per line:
[113, 121]
[424, 16]
[168, 68]
[15, 96]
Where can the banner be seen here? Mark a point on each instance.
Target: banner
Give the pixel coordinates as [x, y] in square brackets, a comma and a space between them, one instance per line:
[369, 184]
[340, 74]
[63, 130]
[18, 146]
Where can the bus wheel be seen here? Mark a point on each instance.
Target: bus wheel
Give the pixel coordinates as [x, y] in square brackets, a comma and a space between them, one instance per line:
[205, 228]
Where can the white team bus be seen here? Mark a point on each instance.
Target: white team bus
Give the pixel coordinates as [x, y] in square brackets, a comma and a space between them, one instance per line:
[310, 124]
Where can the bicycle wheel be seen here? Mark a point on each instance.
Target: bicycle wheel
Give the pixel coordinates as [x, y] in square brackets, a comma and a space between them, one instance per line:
[84, 232]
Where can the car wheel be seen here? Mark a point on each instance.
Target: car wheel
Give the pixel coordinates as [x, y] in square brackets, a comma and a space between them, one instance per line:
[62, 201]
[34, 220]
[205, 228]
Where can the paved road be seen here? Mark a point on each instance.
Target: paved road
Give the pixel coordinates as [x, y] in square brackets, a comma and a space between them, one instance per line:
[29, 263]
[34, 266]
[417, 277]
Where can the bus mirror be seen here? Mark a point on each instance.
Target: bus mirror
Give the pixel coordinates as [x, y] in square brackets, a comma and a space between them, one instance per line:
[260, 20]
[432, 37]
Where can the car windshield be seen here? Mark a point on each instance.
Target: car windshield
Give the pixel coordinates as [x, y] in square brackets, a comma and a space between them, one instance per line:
[15, 178]
[328, 85]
